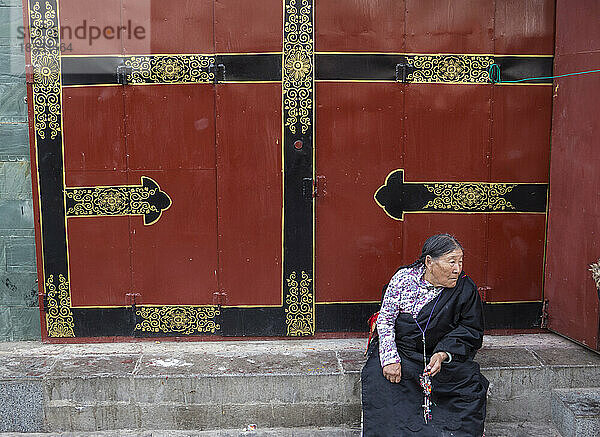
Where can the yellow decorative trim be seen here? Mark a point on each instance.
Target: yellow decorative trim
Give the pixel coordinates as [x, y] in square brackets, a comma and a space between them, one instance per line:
[170, 69]
[45, 53]
[182, 320]
[469, 196]
[59, 318]
[298, 65]
[449, 68]
[299, 306]
[146, 199]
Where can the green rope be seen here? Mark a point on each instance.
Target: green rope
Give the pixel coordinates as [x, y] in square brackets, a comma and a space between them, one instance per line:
[494, 74]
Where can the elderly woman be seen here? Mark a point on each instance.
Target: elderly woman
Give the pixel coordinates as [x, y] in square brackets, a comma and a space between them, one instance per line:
[420, 378]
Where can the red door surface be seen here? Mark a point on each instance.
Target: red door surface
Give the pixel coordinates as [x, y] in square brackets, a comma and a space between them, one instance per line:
[441, 126]
[573, 297]
[262, 168]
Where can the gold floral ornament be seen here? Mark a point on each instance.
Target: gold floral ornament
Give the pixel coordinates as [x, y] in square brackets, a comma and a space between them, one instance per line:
[46, 69]
[59, 318]
[449, 68]
[112, 201]
[171, 69]
[184, 320]
[469, 196]
[298, 66]
[299, 306]
[147, 200]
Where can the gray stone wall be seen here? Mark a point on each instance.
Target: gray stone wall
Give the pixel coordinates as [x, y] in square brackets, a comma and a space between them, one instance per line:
[19, 312]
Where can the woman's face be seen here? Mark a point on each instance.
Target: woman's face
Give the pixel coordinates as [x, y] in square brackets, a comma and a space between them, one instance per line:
[444, 270]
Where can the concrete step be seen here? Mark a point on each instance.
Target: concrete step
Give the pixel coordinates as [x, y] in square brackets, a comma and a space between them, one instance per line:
[227, 385]
[576, 412]
[520, 429]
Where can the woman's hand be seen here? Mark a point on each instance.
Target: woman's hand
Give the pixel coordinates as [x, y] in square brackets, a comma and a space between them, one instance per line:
[393, 372]
[435, 364]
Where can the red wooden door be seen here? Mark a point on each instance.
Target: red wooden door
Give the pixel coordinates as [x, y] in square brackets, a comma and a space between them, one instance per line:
[261, 168]
[436, 130]
[573, 297]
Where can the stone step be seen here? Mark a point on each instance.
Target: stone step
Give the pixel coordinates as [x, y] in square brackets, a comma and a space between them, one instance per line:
[227, 385]
[576, 411]
[514, 429]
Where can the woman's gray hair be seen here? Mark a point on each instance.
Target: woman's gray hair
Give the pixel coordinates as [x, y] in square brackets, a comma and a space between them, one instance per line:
[438, 245]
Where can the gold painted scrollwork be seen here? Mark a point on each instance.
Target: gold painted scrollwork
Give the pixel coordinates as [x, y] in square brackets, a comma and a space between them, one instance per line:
[469, 196]
[110, 201]
[178, 319]
[299, 306]
[146, 199]
[45, 52]
[170, 69]
[298, 65]
[449, 68]
[59, 318]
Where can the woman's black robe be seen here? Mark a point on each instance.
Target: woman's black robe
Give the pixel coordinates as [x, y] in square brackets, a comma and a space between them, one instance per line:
[459, 390]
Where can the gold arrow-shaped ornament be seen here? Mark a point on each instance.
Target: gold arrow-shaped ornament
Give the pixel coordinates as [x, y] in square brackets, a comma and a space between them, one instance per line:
[147, 200]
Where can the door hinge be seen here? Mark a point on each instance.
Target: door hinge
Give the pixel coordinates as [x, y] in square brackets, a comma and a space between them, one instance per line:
[220, 298]
[544, 316]
[44, 302]
[133, 299]
[123, 72]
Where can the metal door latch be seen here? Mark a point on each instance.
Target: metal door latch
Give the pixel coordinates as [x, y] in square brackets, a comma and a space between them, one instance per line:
[218, 71]
[314, 188]
[123, 72]
[308, 189]
[401, 73]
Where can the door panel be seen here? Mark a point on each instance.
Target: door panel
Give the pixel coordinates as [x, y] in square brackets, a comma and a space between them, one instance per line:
[235, 34]
[77, 18]
[524, 26]
[521, 133]
[93, 110]
[515, 257]
[447, 132]
[450, 26]
[174, 260]
[574, 211]
[176, 26]
[170, 127]
[359, 133]
[359, 26]
[249, 184]
[99, 250]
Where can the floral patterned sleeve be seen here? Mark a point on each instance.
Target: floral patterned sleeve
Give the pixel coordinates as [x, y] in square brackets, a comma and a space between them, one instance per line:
[390, 307]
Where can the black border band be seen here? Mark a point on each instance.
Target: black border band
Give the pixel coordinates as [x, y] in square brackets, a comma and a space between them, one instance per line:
[94, 70]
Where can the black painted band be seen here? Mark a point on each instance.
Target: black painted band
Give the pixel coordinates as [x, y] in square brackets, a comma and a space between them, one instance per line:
[90, 70]
[268, 321]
